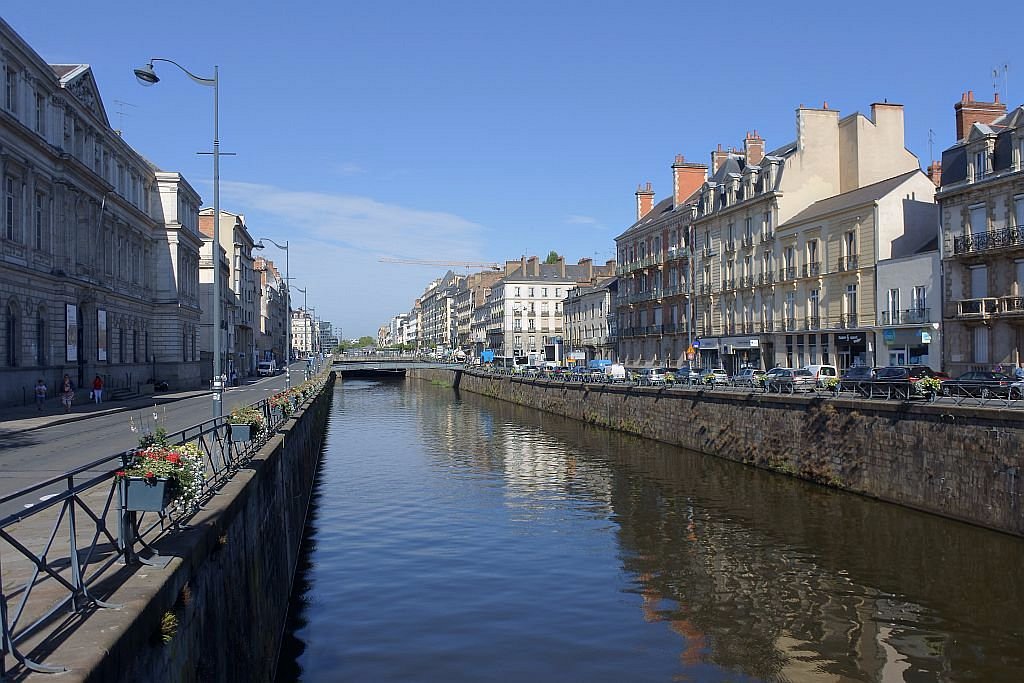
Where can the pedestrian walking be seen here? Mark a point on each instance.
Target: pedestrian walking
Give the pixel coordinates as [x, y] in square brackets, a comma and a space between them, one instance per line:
[40, 394]
[67, 393]
[97, 389]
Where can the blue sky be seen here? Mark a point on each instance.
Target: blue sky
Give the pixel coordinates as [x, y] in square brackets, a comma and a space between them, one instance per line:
[482, 131]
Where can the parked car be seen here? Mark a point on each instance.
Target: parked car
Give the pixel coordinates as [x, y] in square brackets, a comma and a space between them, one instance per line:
[901, 379]
[981, 384]
[686, 374]
[822, 373]
[615, 373]
[854, 375]
[789, 380]
[748, 377]
[1016, 390]
[266, 368]
[714, 376]
[651, 377]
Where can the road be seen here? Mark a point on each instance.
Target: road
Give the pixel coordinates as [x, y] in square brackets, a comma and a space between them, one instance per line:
[32, 456]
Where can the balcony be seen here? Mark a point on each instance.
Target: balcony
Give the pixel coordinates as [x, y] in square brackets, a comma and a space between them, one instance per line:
[978, 308]
[767, 237]
[746, 281]
[768, 325]
[707, 252]
[790, 324]
[675, 253]
[787, 274]
[1007, 238]
[847, 263]
[748, 241]
[847, 321]
[812, 322]
[730, 246]
[545, 314]
[706, 289]
[812, 269]
[766, 278]
[728, 283]
[910, 316]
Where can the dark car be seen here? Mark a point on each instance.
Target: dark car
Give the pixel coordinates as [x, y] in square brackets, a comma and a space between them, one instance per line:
[854, 375]
[748, 377]
[980, 384]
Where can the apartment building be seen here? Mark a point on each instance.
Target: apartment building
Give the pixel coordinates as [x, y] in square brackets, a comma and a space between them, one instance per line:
[99, 250]
[981, 200]
[273, 317]
[590, 316]
[470, 296]
[241, 310]
[525, 306]
[438, 322]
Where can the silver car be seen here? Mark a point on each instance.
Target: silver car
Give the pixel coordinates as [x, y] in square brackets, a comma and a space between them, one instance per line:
[789, 380]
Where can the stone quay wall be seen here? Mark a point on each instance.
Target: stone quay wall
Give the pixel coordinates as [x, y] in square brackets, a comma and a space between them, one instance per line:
[957, 461]
[229, 581]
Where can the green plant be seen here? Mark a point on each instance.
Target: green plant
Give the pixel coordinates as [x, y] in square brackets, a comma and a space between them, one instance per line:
[247, 415]
[830, 382]
[157, 438]
[929, 385]
[182, 466]
[168, 626]
[283, 402]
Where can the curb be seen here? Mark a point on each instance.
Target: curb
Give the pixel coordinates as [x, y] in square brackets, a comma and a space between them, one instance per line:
[69, 418]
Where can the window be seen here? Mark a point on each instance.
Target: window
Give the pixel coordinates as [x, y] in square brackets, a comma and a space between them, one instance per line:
[1018, 213]
[980, 344]
[10, 89]
[979, 220]
[851, 304]
[980, 163]
[38, 220]
[979, 282]
[919, 299]
[850, 243]
[530, 292]
[40, 113]
[12, 337]
[10, 209]
[814, 307]
[893, 305]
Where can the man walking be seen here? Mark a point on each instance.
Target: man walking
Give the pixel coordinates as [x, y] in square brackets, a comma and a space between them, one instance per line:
[40, 394]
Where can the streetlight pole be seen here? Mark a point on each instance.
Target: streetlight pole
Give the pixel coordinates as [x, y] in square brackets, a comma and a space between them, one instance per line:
[305, 314]
[147, 76]
[288, 310]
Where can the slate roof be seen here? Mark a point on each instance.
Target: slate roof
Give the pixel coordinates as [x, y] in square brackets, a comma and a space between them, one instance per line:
[858, 197]
[549, 272]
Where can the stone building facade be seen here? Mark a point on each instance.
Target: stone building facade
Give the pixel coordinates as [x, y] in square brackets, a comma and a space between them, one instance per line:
[590, 320]
[99, 250]
[981, 200]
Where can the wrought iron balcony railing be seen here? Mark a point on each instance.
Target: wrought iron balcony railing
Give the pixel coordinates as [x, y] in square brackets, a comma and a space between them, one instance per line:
[909, 316]
[991, 239]
[847, 263]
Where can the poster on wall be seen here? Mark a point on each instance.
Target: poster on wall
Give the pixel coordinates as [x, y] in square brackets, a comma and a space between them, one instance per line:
[71, 332]
[101, 334]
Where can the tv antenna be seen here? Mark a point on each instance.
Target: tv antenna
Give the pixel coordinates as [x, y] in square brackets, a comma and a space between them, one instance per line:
[931, 145]
[121, 113]
[996, 73]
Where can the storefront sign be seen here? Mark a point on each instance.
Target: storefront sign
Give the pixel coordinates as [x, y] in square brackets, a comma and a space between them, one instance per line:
[926, 337]
[850, 338]
[889, 336]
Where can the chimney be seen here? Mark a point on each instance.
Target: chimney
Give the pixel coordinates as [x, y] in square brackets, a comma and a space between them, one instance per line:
[753, 148]
[686, 179]
[969, 112]
[717, 158]
[644, 201]
[587, 266]
[533, 264]
[935, 173]
[522, 265]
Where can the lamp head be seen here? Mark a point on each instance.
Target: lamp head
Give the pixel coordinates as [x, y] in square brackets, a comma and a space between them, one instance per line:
[146, 75]
[259, 245]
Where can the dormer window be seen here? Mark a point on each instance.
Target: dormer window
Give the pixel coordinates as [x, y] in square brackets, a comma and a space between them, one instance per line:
[980, 163]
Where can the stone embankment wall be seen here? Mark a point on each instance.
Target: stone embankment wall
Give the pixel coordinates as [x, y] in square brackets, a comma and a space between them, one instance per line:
[956, 461]
[229, 582]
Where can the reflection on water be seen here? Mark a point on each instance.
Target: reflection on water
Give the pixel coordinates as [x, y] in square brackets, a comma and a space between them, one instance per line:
[465, 539]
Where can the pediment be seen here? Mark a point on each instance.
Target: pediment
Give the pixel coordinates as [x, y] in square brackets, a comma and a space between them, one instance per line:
[80, 83]
[979, 131]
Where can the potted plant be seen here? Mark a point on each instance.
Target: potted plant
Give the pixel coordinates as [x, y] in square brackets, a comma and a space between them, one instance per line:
[245, 423]
[831, 384]
[929, 386]
[155, 477]
[283, 402]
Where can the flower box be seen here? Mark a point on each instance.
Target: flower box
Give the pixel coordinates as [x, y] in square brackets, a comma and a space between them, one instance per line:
[144, 494]
[240, 432]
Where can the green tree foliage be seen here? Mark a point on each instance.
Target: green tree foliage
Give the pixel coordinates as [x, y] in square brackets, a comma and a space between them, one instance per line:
[552, 257]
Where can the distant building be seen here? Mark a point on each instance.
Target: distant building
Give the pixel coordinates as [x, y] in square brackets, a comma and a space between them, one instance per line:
[271, 341]
[590, 320]
[981, 200]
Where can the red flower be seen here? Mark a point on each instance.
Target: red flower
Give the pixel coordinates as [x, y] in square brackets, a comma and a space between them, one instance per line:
[119, 473]
[150, 475]
[174, 458]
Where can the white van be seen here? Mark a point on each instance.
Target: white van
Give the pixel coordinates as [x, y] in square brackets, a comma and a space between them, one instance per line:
[615, 373]
[266, 368]
[821, 373]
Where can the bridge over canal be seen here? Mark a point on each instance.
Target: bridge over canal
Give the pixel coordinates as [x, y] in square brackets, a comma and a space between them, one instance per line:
[369, 366]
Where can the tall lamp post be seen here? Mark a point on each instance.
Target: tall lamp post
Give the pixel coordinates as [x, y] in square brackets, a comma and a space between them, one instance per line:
[288, 309]
[305, 312]
[147, 76]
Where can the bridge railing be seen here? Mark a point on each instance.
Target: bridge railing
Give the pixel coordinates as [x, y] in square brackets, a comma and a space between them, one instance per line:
[61, 537]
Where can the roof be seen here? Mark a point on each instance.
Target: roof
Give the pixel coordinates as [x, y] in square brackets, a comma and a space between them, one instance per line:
[552, 272]
[858, 197]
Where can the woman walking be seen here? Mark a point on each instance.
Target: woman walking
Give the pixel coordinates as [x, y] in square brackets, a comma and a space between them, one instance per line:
[67, 393]
[97, 389]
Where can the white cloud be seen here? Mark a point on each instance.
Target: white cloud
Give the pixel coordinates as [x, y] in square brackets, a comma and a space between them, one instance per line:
[335, 246]
[349, 168]
[581, 220]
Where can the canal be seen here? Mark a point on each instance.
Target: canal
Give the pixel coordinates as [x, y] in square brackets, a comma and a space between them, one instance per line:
[457, 538]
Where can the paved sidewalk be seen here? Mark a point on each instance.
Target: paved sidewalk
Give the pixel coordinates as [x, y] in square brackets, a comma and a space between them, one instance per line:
[18, 419]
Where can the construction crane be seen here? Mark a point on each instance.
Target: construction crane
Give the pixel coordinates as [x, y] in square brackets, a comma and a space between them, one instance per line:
[445, 264]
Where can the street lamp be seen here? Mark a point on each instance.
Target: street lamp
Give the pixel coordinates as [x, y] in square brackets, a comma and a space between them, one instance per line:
[305, 313]
[147, 76]
[288, 309]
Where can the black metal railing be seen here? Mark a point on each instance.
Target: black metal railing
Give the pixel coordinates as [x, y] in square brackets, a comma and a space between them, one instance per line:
[60, 537]
[989, 239]
[847, 263]
[908, 316]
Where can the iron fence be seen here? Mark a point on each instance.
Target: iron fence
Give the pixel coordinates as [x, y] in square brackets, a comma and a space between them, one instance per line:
[59, 538]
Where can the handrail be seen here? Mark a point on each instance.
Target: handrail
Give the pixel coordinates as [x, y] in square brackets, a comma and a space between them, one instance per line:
[57, 547]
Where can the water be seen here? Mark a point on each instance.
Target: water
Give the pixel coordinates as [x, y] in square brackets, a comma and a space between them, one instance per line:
[464, 539]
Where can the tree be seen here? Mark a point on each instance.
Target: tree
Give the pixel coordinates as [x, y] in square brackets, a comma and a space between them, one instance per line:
[552, 257]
